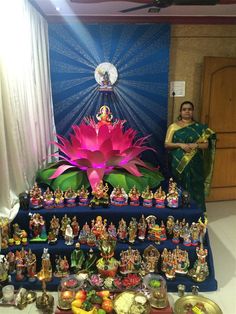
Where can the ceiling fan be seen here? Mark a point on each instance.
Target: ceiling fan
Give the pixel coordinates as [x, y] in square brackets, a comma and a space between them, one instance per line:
[159, 4]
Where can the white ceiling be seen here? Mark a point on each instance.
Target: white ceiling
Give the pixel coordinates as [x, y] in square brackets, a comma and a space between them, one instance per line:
[67, 8]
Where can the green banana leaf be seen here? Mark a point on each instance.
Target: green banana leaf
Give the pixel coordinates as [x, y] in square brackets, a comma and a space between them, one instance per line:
[152, 178]
[70, 179]
[43, 176]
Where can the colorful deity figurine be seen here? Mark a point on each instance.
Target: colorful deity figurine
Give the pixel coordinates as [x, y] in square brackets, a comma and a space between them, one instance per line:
[18, 234]
[111, 229]
[119, 197]
[36, 198]
[194, 230]
[142, 228]
[100, 195]
[163, 236]
[83, 195]
[122, 230]
[172, 196]
[20, 258]
[84, 232]
[202, 226]
[186, 235]
[104, 116]
[59, 198]
[132, 230]
[181, 260]
[11, 262]
[53, 230]
[75, 226]
[147, 197]
[130, 261]
[170, 225]
[31, 266]
[91, 239]
[70, 197]
[37, 228]
[64, 222]
[150, 257]
[134, 196]
[200, 270]
[46, 269]
[151, 222]
[160, 197]
[62, 267]
[4, 232]
[99, 226]
[48, 199]
[176, 233]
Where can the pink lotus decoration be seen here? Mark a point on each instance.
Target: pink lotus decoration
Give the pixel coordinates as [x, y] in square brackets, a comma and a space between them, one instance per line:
[99, 149]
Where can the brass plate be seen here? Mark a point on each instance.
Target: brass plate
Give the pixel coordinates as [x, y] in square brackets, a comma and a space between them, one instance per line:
[210, 306]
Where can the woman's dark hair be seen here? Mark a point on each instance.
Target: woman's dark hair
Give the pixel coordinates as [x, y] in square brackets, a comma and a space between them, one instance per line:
[185, 103]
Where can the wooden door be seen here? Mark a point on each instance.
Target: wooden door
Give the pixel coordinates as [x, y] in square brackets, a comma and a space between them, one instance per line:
[219, 112]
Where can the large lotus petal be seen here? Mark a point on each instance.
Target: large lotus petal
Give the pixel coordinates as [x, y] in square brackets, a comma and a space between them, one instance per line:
[60, 170]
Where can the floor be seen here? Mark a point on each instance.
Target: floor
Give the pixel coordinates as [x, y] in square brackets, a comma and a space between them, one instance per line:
[222, 231]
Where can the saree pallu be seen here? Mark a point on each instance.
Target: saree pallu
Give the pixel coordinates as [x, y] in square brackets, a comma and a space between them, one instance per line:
[193, 171]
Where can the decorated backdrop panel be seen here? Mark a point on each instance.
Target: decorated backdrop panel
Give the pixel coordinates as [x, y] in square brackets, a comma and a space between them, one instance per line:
[141, 55]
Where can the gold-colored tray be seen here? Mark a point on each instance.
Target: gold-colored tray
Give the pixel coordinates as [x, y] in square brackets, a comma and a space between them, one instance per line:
[210, 306]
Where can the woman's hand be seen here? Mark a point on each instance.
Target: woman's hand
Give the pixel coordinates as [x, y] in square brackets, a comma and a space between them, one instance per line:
[186, 147]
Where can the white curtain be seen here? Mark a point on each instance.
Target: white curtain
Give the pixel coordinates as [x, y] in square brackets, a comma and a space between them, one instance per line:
[26, 113]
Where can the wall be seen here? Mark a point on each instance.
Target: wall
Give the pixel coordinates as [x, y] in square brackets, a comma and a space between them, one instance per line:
[189, 45]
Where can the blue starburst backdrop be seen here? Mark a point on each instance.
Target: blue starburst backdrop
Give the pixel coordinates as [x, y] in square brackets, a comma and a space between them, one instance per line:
[140, 95]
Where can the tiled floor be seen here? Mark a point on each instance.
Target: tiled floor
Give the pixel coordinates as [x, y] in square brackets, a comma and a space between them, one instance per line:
[222, 231]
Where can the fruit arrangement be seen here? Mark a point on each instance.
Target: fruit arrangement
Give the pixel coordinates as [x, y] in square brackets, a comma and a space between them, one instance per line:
[92, 302]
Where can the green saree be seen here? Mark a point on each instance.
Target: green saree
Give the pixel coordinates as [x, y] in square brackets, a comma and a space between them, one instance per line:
[193, 171]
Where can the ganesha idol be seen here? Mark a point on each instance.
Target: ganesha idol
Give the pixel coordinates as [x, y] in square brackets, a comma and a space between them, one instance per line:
[119, 197]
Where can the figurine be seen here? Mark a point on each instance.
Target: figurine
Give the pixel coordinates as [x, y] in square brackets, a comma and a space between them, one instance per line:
[151, 223]
[181, 260]
[104, 116]
[186, 235]
[11, 262]
[185, 198]
[150, 257]
[122, 230]
[142, 228]
[64, 222]
[91, 239]
[24, 199]
[163, 236]
[59, 198]
[194, 230]
[134, 196]
[46, 270]
[77, 258]
[4, 267]
[83, 195]
[160, 197]
[84, 233]
[202, 227]
[172, 196]
[119, 197]
[69, 235]
[18, 234]
[62, 267]
[154, 233]
[99, 226]
[36, 198]
[130, 261]
[170, 225]
[4, 232]
[31, 266]
[54, 230]
[147, 197]
[75, 227]
[112, 231]
[132, 230]
[20, 265]
[90, 261]
[37, 228]
[176, 233]
[200, 270]
[70, 197]
[100, 196]
[48, 199]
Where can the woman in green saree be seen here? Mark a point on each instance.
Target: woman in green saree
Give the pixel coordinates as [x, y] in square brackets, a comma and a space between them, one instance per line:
[191, 146]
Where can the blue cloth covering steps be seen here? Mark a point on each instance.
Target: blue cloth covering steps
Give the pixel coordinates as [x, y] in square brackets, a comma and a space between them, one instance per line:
[114, 214]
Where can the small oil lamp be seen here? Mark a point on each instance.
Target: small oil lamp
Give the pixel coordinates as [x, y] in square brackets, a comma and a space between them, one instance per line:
[45, 302]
